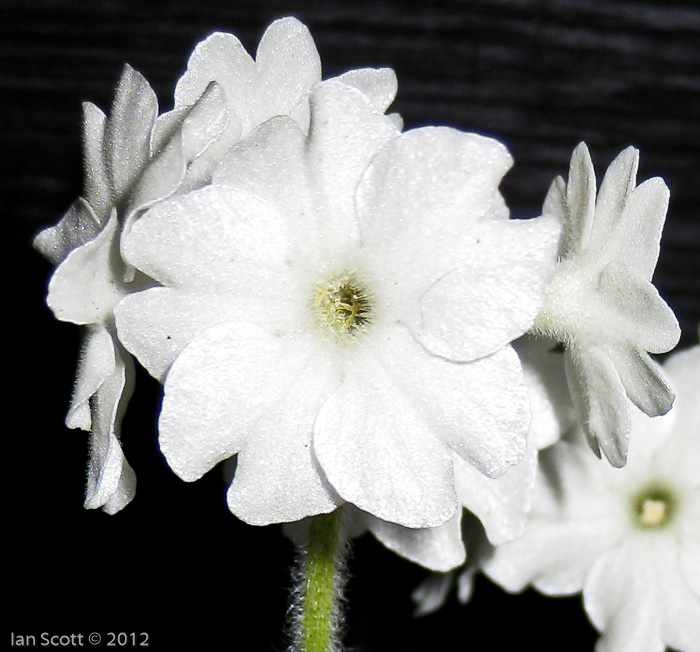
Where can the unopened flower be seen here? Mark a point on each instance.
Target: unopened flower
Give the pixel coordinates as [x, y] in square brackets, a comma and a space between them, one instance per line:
[628, 538]
[340, 307]
[601, 303]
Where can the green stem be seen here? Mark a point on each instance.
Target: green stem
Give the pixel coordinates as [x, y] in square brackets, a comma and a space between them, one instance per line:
[322, 585]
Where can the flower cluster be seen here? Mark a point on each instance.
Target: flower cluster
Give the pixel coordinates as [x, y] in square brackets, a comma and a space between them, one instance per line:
[348, 310]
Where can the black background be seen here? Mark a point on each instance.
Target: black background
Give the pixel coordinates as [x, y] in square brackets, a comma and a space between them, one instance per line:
[175, 563]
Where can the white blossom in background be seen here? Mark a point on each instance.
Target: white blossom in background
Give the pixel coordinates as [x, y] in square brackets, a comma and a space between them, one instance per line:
[277, 82]
[601, 303]
[339, 308]
[628, 538]
[125, 171]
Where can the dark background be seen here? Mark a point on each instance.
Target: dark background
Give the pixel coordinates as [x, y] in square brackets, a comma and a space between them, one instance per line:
[540, 75]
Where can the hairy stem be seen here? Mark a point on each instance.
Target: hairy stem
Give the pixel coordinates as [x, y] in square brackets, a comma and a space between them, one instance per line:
[320, 593]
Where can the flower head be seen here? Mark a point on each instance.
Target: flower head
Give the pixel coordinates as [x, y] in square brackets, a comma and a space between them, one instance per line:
[601, 303]
[628, 538]
[339, 308]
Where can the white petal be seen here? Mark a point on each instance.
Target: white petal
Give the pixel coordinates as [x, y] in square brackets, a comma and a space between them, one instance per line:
[98, 189]
[109, 483]
[346, 132]
[572, 522]
[157, 324]
[494, 297]
[480, 409]
[615, 190]
[642, 379]
[97, 361]
[288, 66]
[431, 594]
[271, 163]
[78, 226]
[580, 199]
[600, 401]
[638, 232]
[127, 139]
[422, 194]
[550, 402]
[632, 311]
[210, 237]
[238, 389]
[501, 504]
[87, 284]
[439, 549]
[379, 84]
[621, 598]
[379, 453]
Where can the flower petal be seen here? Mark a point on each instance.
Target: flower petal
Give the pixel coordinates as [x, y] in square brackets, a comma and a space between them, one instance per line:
[600, 400]
[346, 132]
[379, 453]
[580, 200]
[479, 409]
[421, 193]
[494, 297]
[111, 482]
[78, 226]
[127, 138]
[210, 237]
[501, 504]
[87, 284]
[566, 532]
[97, 362]
[642, 380]
[379, 84]
[615, 190]
[270, 163]
[621, 598]
[439, 549]
[240, 389]
[98, 188]
[634, 312]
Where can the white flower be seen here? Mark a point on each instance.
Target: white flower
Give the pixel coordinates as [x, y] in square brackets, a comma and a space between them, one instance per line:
[276, 82]
[133, 159]
[628, 538]
[345, 301]
[126, 170]
[601, 304]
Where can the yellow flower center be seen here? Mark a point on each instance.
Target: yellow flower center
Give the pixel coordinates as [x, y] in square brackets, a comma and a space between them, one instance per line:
[343, 305]
[653, 507]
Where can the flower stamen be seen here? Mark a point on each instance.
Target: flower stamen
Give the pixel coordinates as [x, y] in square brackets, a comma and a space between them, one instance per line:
[343, 305]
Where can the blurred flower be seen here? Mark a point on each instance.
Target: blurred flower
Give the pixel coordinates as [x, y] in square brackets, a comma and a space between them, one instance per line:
[628, 538]
[601, 304]
[342, 305]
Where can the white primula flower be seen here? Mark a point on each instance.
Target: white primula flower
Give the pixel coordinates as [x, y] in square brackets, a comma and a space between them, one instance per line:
[601, 303]
[125, 171]
[345, 301]
[628, 538]
[276, 82]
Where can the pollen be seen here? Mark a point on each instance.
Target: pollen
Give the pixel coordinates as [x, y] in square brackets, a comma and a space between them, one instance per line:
[343, 305]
